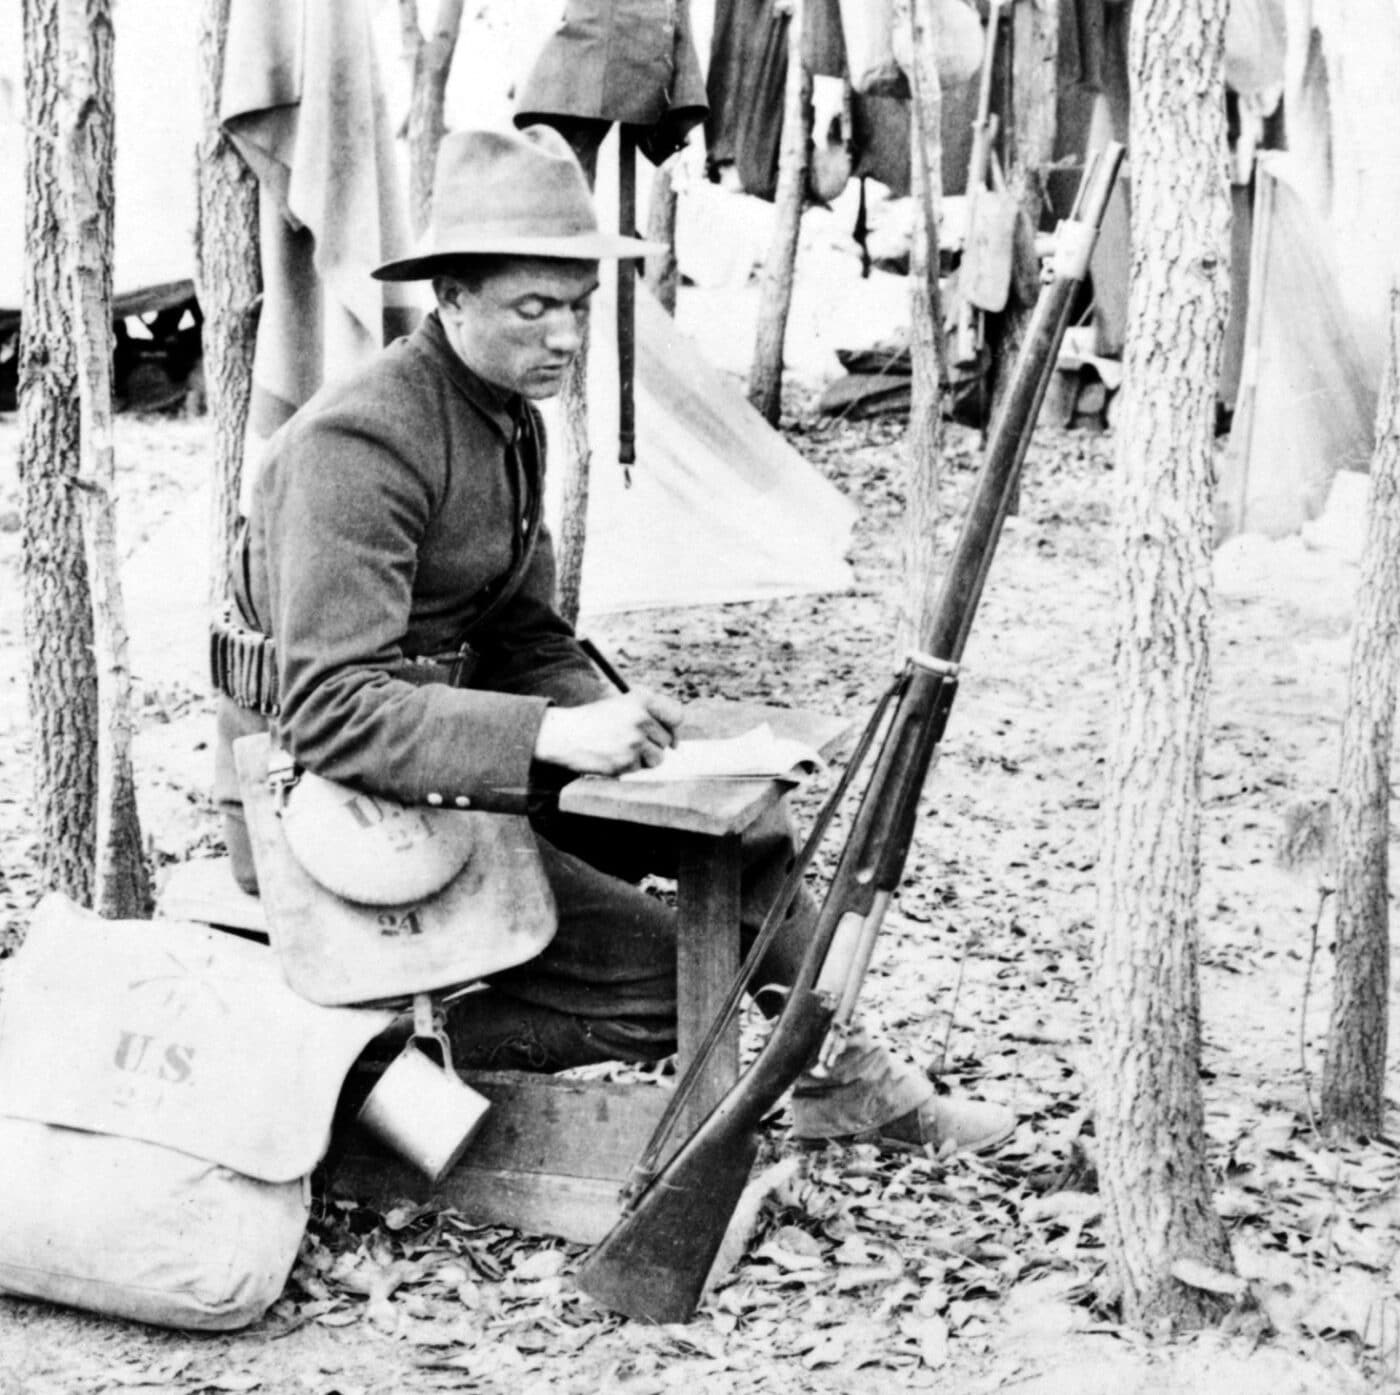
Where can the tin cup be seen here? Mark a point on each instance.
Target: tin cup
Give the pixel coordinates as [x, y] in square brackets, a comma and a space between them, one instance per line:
[423, 1112]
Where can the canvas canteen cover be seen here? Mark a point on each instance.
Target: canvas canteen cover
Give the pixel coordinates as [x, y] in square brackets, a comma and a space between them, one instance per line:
[370, 849]
[498, 911]
[164, 1097]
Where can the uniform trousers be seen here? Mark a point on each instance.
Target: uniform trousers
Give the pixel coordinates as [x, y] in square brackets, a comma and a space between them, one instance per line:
[604, 989]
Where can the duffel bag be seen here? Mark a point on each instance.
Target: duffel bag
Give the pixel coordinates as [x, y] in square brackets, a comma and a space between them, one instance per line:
[164, 1097]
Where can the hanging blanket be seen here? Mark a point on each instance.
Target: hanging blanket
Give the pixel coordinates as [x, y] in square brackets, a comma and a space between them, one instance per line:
[303, 102]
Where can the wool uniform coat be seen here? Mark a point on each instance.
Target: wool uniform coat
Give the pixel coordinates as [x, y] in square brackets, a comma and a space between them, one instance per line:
[387, 514]
[388, 511]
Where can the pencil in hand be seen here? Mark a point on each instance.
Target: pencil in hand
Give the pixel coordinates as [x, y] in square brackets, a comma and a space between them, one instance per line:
[601, 663]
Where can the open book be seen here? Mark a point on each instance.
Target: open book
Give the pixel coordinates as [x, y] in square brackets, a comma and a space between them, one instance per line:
[756, 755]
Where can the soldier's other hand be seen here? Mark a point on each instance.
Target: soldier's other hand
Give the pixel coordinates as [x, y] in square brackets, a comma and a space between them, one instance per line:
[609, 737]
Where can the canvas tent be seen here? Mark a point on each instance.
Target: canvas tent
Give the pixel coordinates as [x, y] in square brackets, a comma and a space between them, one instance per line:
[1313, 247]
[1324, 256]
[778, 520]
[1307, 395]
[722, 509]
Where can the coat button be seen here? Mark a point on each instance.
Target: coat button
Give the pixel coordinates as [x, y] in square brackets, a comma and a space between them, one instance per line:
[462, 802]
[434, 799]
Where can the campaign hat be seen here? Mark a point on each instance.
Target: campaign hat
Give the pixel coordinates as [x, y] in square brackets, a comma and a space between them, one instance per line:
[511, 193]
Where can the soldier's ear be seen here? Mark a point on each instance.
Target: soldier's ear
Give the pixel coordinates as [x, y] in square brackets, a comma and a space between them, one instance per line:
[449, 292]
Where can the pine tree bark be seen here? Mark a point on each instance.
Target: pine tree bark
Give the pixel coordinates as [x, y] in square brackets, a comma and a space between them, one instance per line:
[775, 298]
[229, 285]
[918, 592]
[1353, 1079]
[1149, 1116]
[663, 272]
[122, 884]
[57, 607]
[430, 62]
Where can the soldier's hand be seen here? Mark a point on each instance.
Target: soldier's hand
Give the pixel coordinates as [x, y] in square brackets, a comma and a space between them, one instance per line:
[611, 736]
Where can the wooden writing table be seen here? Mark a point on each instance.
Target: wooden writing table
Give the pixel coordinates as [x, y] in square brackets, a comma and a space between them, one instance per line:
[706, 820]
[553, 1151]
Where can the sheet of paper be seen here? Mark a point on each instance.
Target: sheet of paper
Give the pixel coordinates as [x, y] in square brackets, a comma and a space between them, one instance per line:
[757, 754]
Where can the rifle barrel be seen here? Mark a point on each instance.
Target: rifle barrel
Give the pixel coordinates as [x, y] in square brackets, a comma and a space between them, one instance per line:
[1012, 430]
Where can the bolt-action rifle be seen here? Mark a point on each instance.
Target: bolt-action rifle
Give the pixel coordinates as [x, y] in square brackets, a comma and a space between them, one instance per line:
[655, 1261]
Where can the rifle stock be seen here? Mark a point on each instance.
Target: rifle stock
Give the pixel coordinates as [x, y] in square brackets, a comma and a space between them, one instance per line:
[654, 1262]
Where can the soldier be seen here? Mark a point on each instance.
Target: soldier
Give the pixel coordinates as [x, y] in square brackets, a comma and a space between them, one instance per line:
[395, 556]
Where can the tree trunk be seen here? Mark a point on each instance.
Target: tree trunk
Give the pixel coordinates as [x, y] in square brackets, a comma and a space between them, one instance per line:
[122, 887]
[62, 670]
[766, 374]
[918, 557]
[663, 273]
[1353, 1080]
[1029, 139]
[430, 64]
[578, 459]
[229, 277]
[1149, 1120]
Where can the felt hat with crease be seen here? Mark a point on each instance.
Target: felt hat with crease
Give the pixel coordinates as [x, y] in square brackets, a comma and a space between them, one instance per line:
[511, 193]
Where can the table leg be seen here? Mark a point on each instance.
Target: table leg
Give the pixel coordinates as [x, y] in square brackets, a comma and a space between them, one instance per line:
[707, 958]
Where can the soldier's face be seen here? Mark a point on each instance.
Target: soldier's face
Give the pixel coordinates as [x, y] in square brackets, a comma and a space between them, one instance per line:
[521, 325]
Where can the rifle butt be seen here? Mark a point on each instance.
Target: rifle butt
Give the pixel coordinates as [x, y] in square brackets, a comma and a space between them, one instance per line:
[654, 1262]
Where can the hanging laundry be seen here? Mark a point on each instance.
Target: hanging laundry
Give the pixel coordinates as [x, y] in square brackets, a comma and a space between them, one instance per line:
[627, 61]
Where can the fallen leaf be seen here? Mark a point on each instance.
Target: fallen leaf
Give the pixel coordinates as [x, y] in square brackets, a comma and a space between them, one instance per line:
[1196, 1273]
[1371, 1248]
[403, 1215]
[382, 1315]
[863, 1275]
[543, 1264]
[964, 1312]
[792, 1250]
[853, 1250]
[1065, 1208]
[788, 1263]
[1236, 1203]
[797, 1241]
[343, 1318]
[829, 1349]
[931, 1335]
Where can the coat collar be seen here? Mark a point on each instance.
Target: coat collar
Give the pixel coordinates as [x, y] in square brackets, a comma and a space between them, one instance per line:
[503, 409]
